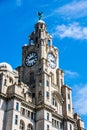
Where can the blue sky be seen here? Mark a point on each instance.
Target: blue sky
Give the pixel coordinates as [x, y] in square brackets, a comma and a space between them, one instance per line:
[66, 21]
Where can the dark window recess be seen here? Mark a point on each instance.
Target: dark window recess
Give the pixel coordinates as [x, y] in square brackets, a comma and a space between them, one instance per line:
[16, 119]
[53, 101]
[70, 127]
[32, 115]
[68, 96]
[33, 86]
[28, 114]
[38, 46]
[60, 125]
[5, 82]
[47, 116]
[41, 26]
[69, 107]
[23, 111]
[47, 94]
[17, 106]
[32, 77]
[36, 40]
[39, 69]
[48, 42]
[47, 83]
[10, 80]
[47, 127]
[33, 95]
[24, 95]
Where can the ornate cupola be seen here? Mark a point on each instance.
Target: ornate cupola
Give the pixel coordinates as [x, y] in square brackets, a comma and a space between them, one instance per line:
[40, 34]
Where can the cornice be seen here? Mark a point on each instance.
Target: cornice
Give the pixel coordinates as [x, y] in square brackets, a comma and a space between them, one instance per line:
[67, 118]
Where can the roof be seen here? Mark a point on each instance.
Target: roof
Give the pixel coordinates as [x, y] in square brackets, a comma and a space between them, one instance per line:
[5, 66]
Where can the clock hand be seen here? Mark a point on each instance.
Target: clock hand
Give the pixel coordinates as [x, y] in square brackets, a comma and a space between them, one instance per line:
[31, 58]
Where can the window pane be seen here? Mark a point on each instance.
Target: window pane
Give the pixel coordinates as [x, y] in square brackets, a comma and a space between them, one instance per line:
[47, 94]
[16, 119]
[60, 125]
[68, 96]
[69, 107]
[17, 106]
[47, 83]
[70, 127]
[47, 127]
[47, 116]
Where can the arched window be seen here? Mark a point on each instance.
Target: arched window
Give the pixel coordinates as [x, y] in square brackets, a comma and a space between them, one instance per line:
[22, 125]
[29, 127]
[11, 80]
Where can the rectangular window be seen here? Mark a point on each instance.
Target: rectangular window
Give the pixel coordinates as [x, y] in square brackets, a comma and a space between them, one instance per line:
[47, 83]
[53, 101]
[47, 127]
[60, 125]
[22, 111]
[52, 122]
[32, 115]
[17, 106]
[70, 127]
[5, 82]
[57, 124]
[16, 119]
[33, 95]
[47, 116]
[47, 95]
[48, 42]
[69, 107]
[28, 114]
[68, 96]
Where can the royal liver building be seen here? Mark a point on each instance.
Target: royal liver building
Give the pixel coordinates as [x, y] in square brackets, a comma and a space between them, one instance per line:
[34, 96]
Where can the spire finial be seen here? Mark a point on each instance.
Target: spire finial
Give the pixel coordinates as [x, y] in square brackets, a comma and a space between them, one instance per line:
[40, 15]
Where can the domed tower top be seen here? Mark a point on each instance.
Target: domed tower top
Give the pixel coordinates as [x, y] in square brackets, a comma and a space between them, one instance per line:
[40, 26]
[6, 66]
[40, 33]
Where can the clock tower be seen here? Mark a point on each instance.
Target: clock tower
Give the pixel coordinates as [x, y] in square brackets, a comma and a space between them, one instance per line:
[40, 71]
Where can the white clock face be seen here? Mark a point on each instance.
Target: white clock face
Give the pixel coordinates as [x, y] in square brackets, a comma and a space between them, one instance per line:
[51, 60]
[31, 59]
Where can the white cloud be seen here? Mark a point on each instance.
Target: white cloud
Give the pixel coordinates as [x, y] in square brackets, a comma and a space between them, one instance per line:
[80, 99]
[73, 30]
[19, 2]
[71, 74]
[75, 9]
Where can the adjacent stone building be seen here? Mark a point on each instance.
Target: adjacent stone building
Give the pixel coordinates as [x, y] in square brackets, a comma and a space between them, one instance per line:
[34, 96]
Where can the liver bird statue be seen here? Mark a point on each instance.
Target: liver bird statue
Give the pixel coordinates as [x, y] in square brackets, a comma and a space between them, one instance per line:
[40, 14]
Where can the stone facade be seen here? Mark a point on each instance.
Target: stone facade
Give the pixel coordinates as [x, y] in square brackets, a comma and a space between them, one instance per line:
[34, 96]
